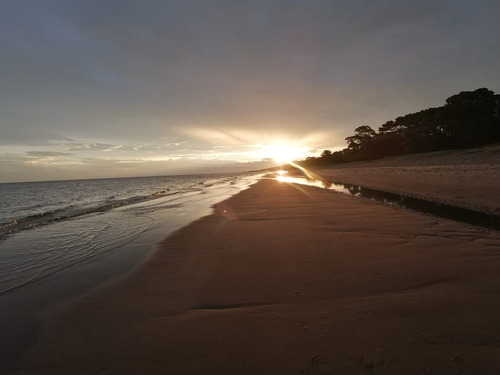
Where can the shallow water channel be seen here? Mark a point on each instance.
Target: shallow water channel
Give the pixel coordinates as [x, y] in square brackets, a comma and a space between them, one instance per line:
[438, 209]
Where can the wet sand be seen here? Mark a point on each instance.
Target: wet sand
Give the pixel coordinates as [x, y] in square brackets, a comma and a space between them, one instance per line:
[286, 279]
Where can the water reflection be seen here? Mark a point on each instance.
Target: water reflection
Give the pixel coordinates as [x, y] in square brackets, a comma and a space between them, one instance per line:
[317, 183]
[439, 209]
[296, 178]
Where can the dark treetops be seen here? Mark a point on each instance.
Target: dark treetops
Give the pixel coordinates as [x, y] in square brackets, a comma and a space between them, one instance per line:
[468, 119]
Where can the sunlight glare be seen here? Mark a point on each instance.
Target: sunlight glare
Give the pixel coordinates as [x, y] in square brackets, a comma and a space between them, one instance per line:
[284, 153]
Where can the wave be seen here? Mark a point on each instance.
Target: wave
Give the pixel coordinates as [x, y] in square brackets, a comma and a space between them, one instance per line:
[69, 212]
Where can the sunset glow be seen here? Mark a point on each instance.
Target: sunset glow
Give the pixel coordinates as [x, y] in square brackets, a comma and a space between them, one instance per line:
[190, 87]
[283, 152]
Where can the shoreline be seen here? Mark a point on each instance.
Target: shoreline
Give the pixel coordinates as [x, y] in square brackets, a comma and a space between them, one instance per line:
[27, 308]
[287, 279]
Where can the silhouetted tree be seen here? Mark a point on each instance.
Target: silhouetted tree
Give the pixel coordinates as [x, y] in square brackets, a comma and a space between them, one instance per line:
[468, 119]
[362, 135]
[326, 154]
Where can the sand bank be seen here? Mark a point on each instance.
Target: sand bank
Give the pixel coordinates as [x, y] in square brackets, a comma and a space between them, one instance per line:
[466, 178]
[285, 279]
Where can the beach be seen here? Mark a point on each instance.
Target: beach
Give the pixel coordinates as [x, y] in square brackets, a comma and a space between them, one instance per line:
[292, 279]
[465, 178]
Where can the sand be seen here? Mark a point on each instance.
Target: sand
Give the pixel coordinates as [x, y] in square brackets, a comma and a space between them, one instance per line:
[286, 279]
[466, 178]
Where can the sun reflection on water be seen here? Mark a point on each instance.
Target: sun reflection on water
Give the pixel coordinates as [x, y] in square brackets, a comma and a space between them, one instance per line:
[304, 177]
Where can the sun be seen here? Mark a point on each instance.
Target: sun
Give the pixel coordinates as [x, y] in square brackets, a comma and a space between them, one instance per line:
[283, 153]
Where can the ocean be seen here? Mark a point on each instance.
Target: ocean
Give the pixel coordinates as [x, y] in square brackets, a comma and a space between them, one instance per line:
[47, 227]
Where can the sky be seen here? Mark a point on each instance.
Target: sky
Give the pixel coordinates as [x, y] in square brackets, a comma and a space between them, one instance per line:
[115, 88]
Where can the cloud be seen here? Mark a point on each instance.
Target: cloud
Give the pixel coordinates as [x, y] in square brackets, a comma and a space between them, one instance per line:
[47, 153]
[14, 167]
[188, 77]
[95, 147]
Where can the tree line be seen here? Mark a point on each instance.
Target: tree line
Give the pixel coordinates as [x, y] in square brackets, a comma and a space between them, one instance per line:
[468, 119]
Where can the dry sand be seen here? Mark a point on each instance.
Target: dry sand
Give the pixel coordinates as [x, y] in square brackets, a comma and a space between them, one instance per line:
[286, 279]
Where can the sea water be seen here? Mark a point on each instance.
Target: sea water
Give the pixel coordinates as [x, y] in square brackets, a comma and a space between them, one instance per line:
[47, 227]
